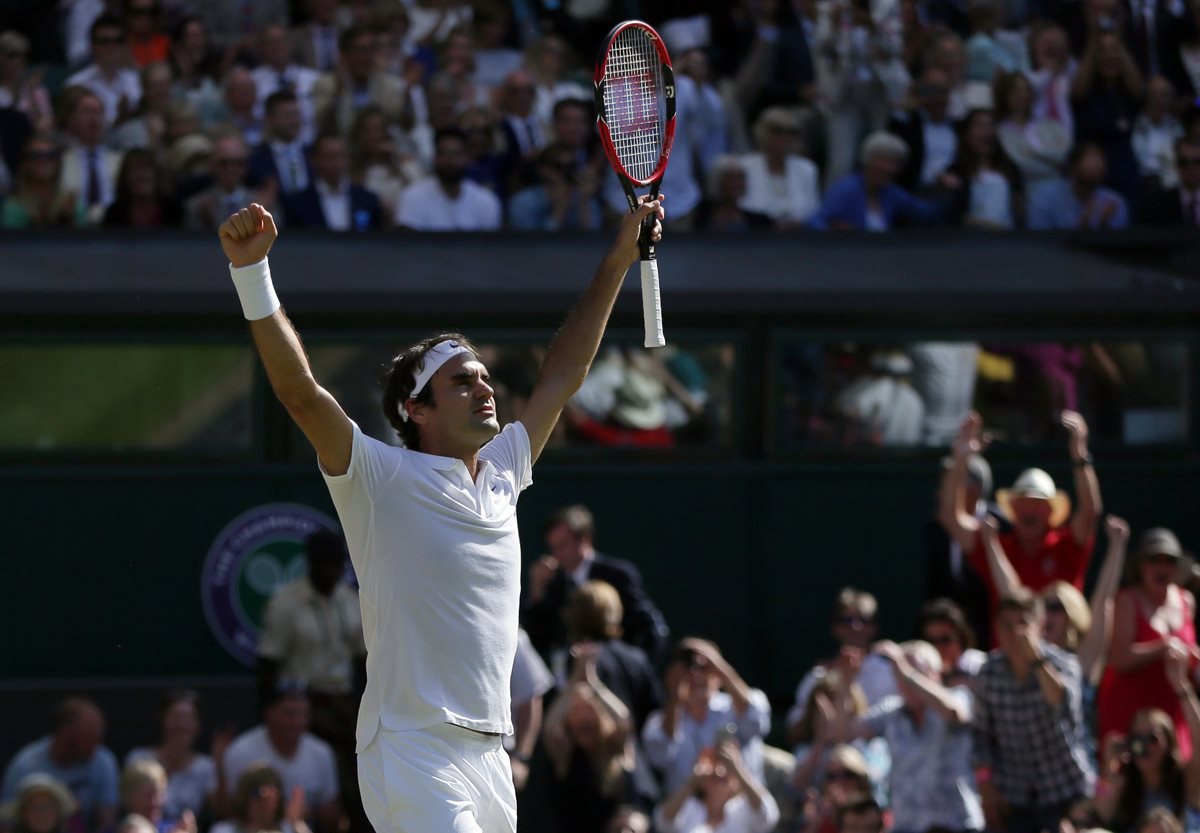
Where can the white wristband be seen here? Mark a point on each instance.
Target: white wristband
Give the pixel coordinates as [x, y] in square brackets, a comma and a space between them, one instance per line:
[254, 289]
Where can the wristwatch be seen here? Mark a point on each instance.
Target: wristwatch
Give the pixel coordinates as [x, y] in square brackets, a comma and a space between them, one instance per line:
[1082, 462]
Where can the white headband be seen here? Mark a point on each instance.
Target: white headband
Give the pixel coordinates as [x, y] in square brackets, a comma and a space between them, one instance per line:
[431, 362]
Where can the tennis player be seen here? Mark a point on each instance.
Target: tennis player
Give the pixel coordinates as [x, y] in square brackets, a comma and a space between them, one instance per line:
[432, 531]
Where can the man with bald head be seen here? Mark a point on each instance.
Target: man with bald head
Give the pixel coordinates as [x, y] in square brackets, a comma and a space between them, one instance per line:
[74, 754]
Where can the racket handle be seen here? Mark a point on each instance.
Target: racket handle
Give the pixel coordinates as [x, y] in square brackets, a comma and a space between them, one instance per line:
[651, 305]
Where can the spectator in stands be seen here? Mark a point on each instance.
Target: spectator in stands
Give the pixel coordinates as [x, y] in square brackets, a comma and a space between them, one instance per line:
[928, 132]
[950, 574]
[1037, 145]
[986, 186]
[332, 201]
[727, 188]
[572, 125]
[1154, 134]
[74, 755]
[481, 126]
[991, 51]
[117, 86]
[456, 58]
[834, 702]
[1052, 75]
[548, 62]
[780, 182]
[1105, 97]
[948, 55]
[142, 200]
[147, 126]
[148, 43]
[448, 201]
[312, 628]
[21, 89]
[191, 775]
[1145, 769]
[358, 82]
[524, 137]
[593, 615]
[1083, 201]
[860, 814]
[89, 168]
[281, 156]
[705, 701]
[232, 24]
[563, 198]
[722, 794]
[1047, 542]
[708, 125]
[228, 193]
[627, 820]
[144, 793]
[880, 406]
[928, 731]
[301, 759]
[40, 804]
[259, 803]
[1159, 820]
[1179, 206]
[1154, 617]
[37, 201]
[1031, 761]
[195, 66]
[589, 739]
[572, 560]
[1189, 56]
[530, 681]
[278, 73]
[377, 161]
[315, 43]
[943, 625]
[241, 109]
[853, 627]
[846, 781]
[872, 201]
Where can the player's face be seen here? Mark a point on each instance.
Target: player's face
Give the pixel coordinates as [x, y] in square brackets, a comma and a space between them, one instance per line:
[464, 409]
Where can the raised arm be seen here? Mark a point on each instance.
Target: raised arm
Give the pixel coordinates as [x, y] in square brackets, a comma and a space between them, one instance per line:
[933, 694]
[1094, 645]
[1087, 487]
[1125, 655]
[961, 525]
[1177, 675]
[570, 354]
[1004, 577]
[246, 238]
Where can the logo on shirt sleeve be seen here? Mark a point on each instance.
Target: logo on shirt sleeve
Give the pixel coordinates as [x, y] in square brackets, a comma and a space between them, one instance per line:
[255, 554]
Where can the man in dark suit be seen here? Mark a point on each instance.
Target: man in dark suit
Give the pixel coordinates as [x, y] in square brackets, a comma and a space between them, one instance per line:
[332, 201]
[928, 131]
[281, 156]
[572, 561]
[1179, 206]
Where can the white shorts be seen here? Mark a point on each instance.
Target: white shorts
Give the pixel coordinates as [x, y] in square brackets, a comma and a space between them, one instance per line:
[444, 779]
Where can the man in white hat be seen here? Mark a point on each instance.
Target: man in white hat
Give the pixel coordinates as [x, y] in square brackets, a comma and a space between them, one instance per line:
[432, 531]
[1046, 543]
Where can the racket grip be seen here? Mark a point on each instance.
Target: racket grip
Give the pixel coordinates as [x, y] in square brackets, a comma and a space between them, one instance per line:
[651, 305]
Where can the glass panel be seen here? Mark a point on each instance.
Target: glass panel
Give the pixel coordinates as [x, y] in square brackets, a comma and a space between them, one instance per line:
[679, 397]
[852, 394]
[132, 396]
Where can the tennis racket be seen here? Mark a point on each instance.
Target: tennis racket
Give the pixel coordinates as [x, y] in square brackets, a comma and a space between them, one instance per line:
[635, 114]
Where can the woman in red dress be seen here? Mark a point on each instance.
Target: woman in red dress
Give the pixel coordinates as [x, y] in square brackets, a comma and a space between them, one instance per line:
[1151, 615]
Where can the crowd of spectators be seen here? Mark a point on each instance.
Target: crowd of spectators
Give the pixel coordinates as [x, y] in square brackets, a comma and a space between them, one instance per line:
[1083, 715]
[445, 115]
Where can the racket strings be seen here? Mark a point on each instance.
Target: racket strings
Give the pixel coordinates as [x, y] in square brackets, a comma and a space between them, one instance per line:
[633, 102]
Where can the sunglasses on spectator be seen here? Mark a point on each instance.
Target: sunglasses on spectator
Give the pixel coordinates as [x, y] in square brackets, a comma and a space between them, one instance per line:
[108, 40]
[1148, 739]
[851, 621]
[1161, 559]
[944, 639]
[1055, 606]
[840, 775]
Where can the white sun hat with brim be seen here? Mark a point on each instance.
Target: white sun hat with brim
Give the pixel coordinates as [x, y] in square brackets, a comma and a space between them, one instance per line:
[35, 783]
[1036, 485]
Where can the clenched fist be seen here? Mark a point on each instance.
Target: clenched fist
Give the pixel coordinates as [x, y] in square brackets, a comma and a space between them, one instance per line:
[247, 236]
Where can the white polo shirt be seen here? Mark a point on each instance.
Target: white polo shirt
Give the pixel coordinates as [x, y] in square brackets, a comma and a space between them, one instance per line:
[313, 767]
[425, 206]
[438, 560]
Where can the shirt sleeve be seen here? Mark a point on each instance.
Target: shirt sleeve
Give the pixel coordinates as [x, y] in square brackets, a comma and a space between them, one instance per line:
[106, 775]
[509, 452]
[660, 747]
[756, 722]
[878, 717]
[981, 724]
[372, 464]
[765, 817]
[530, 676]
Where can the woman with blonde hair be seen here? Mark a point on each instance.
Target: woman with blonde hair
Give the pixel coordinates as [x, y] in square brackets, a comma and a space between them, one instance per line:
[780, 182]
[835, 702]
[143, 790]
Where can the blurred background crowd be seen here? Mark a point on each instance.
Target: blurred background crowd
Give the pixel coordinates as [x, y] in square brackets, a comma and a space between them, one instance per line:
[439, 115]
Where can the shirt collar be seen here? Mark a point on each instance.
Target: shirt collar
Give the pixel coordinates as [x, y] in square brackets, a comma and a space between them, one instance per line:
[324, 188]
[584, 569]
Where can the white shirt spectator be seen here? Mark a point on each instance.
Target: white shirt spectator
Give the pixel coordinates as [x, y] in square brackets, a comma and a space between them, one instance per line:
[187, 788]
[676, 756]
[1053, 97]
[740, 817]
[530, 678]
[315, 638]
[791, 198]
[335, 204]
[313, 768]
[941, 144]
[124, 85]
[425, 206]
[991, 199]
[1154, 147]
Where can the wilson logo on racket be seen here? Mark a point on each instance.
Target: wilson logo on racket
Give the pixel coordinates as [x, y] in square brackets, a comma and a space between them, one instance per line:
[635, 116]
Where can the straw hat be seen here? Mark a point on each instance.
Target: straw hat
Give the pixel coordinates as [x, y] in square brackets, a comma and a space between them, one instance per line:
[35, 783]
[1037, 485]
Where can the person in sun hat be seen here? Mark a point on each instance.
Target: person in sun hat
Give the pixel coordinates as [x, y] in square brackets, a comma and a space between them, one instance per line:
[1154, 618]
[1047, 542]
[41, 804]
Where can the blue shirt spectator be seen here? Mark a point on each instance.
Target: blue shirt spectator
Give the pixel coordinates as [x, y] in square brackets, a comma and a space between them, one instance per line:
[1082, 202]
[872, 201]
[74, 755]
[565, 198]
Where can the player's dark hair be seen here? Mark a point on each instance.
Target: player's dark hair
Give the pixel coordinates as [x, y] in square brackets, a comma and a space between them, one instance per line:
[577, 518]
[276, 98]
[399, 378]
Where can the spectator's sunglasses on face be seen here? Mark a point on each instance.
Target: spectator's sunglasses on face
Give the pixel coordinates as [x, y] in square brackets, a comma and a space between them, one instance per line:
[851, 620]
[840, 775]
[1139, 745]
[1161, 559]
[1053, 605]
[940, 640]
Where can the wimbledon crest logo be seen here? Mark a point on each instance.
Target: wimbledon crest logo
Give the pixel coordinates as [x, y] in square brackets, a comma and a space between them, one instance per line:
[254, 555]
